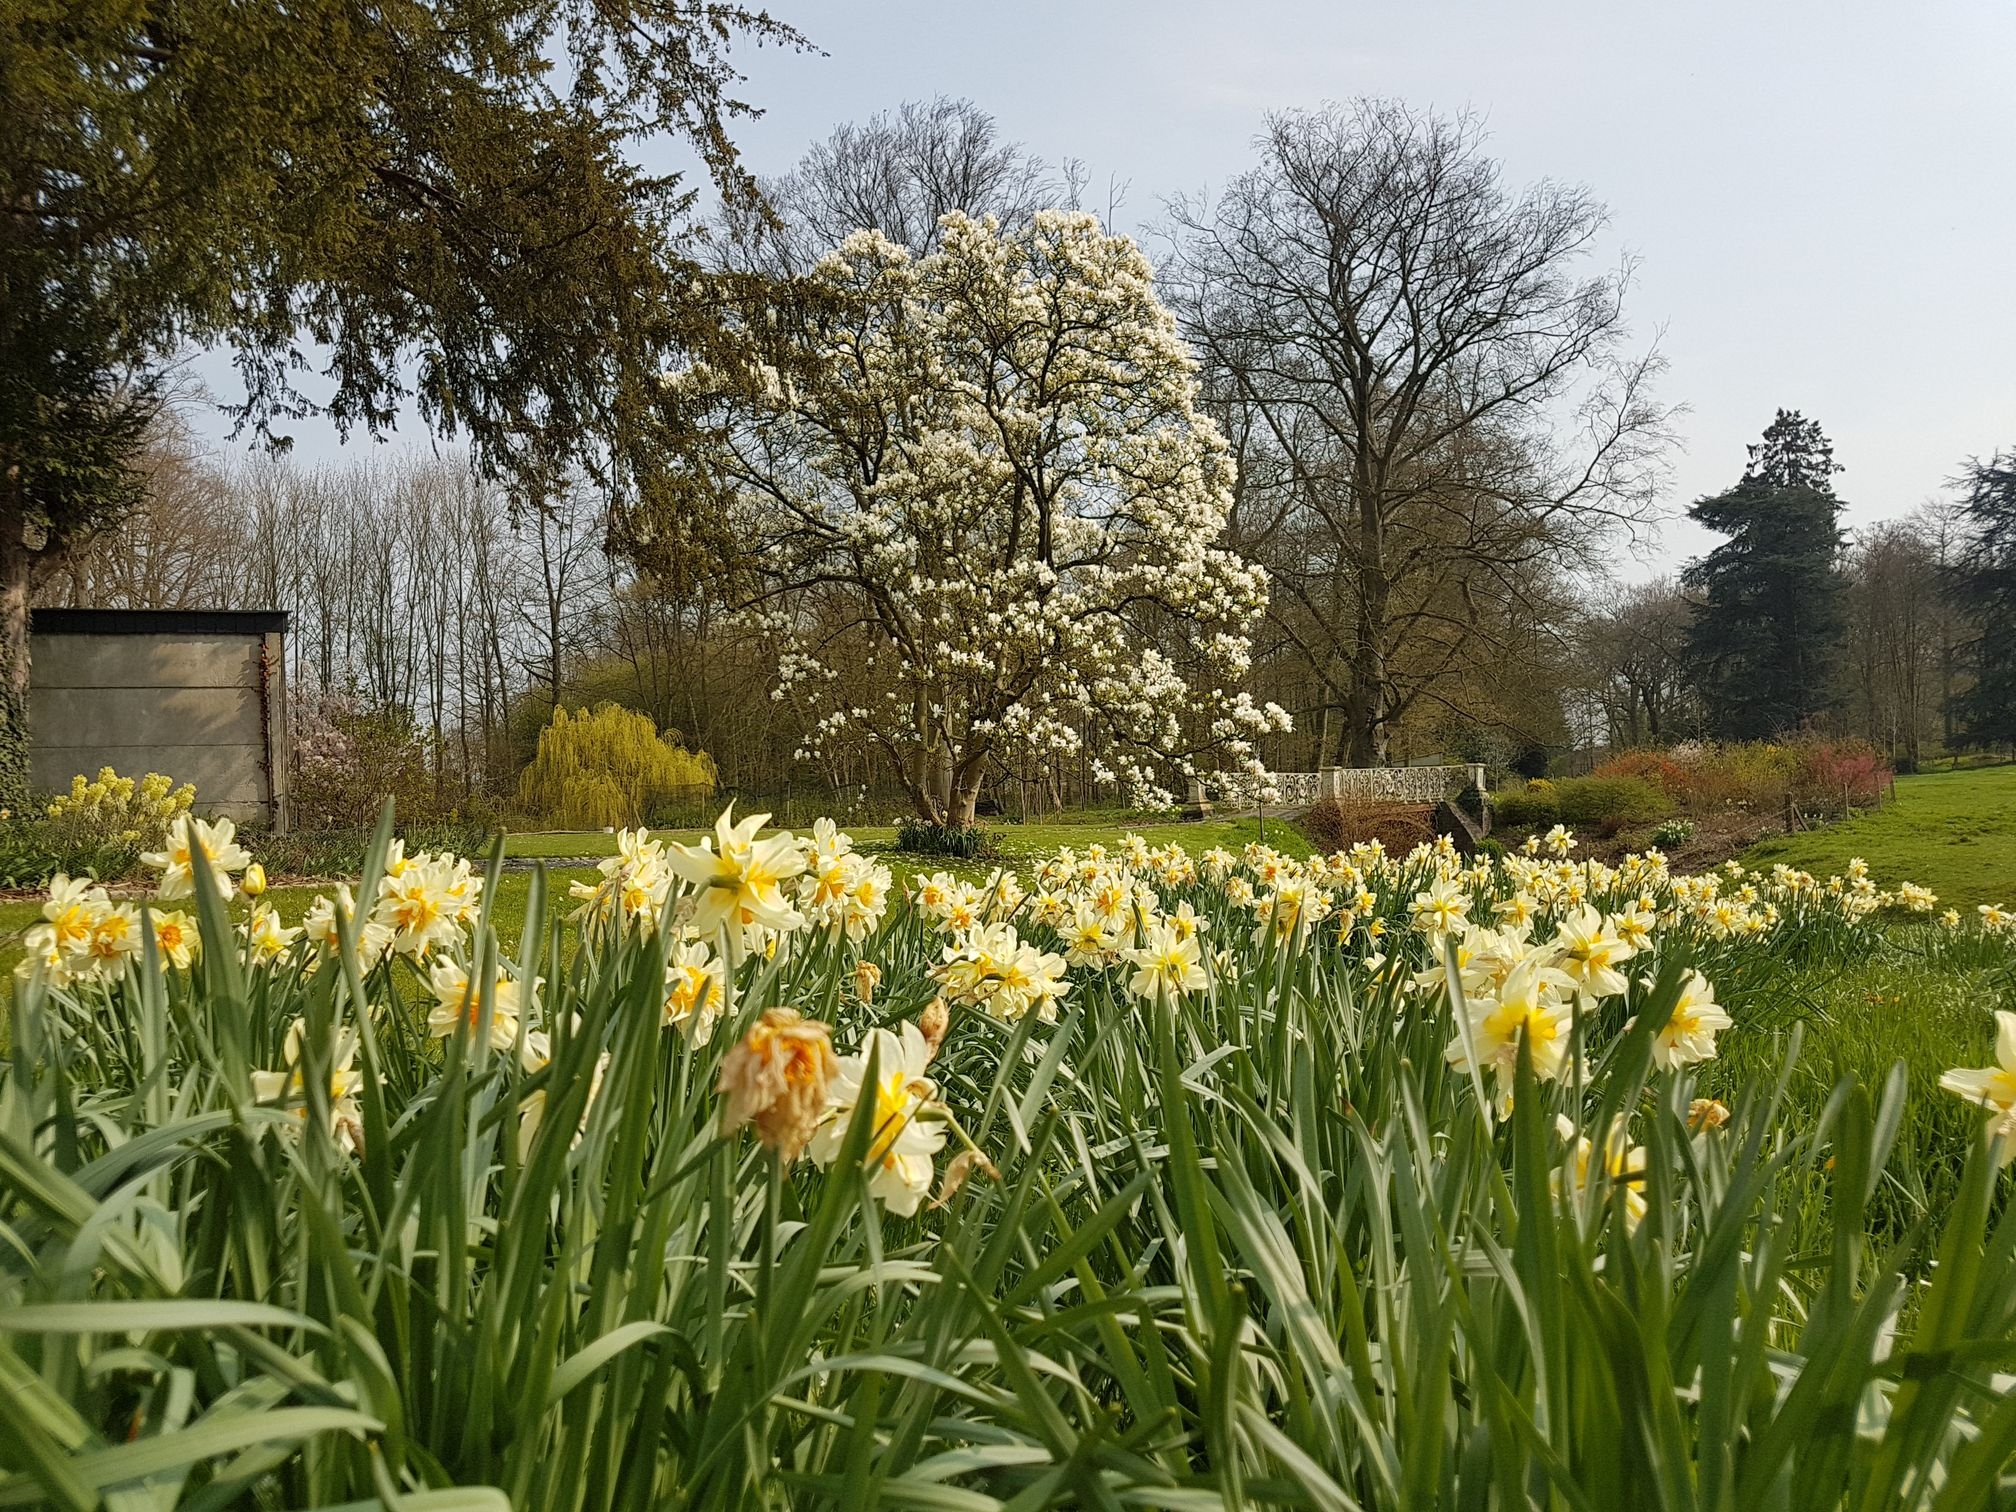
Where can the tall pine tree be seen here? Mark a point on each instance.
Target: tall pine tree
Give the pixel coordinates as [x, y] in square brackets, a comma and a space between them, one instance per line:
[1766, 640]
[1983, 584]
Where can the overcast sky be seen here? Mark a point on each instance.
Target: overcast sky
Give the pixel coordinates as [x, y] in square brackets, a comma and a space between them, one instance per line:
[1818, 194]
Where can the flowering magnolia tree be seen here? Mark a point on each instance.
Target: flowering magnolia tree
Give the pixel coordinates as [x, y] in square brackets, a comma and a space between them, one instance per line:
[985, 513]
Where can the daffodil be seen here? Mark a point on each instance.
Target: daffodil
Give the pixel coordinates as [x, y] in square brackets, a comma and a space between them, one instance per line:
[1620, 1163]
[695, 990]
[175, 938]
[189, 839]
[288, 1088]
[901, 1143]
[1528, 1003]
[266, 938]
[458, 1005]
[737, 880]
[1590, 951]
[1994, 1087]
[319, 926]
[1689, 1035]
[1167, 964]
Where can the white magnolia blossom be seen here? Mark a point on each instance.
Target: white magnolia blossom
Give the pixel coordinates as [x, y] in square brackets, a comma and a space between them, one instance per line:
[991, 513]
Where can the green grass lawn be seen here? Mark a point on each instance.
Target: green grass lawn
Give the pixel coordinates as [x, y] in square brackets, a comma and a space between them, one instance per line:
[1954, 832]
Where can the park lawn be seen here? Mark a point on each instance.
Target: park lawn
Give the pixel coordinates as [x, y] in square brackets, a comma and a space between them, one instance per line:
[1954, 832]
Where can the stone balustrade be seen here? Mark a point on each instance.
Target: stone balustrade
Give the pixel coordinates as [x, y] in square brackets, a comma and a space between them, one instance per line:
[1412, 784]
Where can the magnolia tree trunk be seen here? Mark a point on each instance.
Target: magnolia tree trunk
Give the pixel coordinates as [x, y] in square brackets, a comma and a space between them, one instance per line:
[965, 795]
[15, 561]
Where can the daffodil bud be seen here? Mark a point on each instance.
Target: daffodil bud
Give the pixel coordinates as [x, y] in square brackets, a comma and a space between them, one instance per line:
[254, 881]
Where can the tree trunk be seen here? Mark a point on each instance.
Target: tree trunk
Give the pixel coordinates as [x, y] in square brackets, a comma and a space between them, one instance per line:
[16, 560]
[964, 799]
[1367, 733]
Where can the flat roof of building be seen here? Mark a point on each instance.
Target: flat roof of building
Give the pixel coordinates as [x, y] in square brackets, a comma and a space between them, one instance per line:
[158, 622]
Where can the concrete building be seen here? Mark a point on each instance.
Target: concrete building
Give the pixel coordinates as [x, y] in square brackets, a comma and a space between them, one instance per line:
[199, 695]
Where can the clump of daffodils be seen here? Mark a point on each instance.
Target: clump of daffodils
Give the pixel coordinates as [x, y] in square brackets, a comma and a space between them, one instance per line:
[994, 969]
[1526, 955]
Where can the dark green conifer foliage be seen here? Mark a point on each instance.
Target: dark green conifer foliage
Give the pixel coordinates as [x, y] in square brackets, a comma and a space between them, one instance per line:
[1770, 617]
[1983, 584]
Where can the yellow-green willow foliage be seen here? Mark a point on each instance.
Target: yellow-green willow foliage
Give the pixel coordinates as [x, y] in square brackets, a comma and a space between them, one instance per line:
[607, 766]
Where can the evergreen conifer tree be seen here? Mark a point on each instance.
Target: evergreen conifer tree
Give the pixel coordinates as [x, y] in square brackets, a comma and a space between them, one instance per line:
[1770, 614]
[1983, 585]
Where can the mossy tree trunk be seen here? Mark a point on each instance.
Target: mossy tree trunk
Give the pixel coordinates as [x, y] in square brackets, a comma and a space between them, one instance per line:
[16, 590]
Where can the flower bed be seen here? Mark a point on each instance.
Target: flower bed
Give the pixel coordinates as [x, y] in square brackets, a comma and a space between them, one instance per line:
[1141, 1179]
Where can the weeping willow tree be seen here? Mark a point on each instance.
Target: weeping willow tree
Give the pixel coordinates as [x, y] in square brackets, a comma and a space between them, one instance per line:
[608, 766]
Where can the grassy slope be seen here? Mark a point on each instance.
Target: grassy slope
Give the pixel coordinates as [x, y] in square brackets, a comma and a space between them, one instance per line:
[1954, 832]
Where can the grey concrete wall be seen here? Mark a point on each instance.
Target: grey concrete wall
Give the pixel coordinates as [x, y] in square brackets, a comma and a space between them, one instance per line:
[201, 707]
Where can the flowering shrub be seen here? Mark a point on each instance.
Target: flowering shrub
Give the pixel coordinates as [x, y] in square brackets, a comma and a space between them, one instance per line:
[1143, 1178]
[97, 828]
[350, 758]
[1828, 776]
[1835, 776]
[137, 812]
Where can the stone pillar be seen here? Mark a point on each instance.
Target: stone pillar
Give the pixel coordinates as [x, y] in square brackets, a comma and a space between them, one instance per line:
[1195, 804]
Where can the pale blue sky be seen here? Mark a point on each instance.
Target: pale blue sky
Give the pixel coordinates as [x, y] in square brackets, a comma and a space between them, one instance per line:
[1817, 194]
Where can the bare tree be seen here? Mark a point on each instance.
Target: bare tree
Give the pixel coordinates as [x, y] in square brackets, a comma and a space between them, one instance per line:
[1631, 657]
[897, 174]
[1434, 413]
[1902, 630]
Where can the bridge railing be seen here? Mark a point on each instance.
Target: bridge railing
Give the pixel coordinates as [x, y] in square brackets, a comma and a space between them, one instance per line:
[1411, 784]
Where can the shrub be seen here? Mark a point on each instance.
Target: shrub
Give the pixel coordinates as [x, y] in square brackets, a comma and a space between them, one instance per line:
[1592, 801]
[1673, 832]
[600, 768]
[1332, 826]
[1834, 776]
[1535, 806]
[350, 757]
[1656, 767]
[961, 842]
[1754, 775]
[102, 826]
